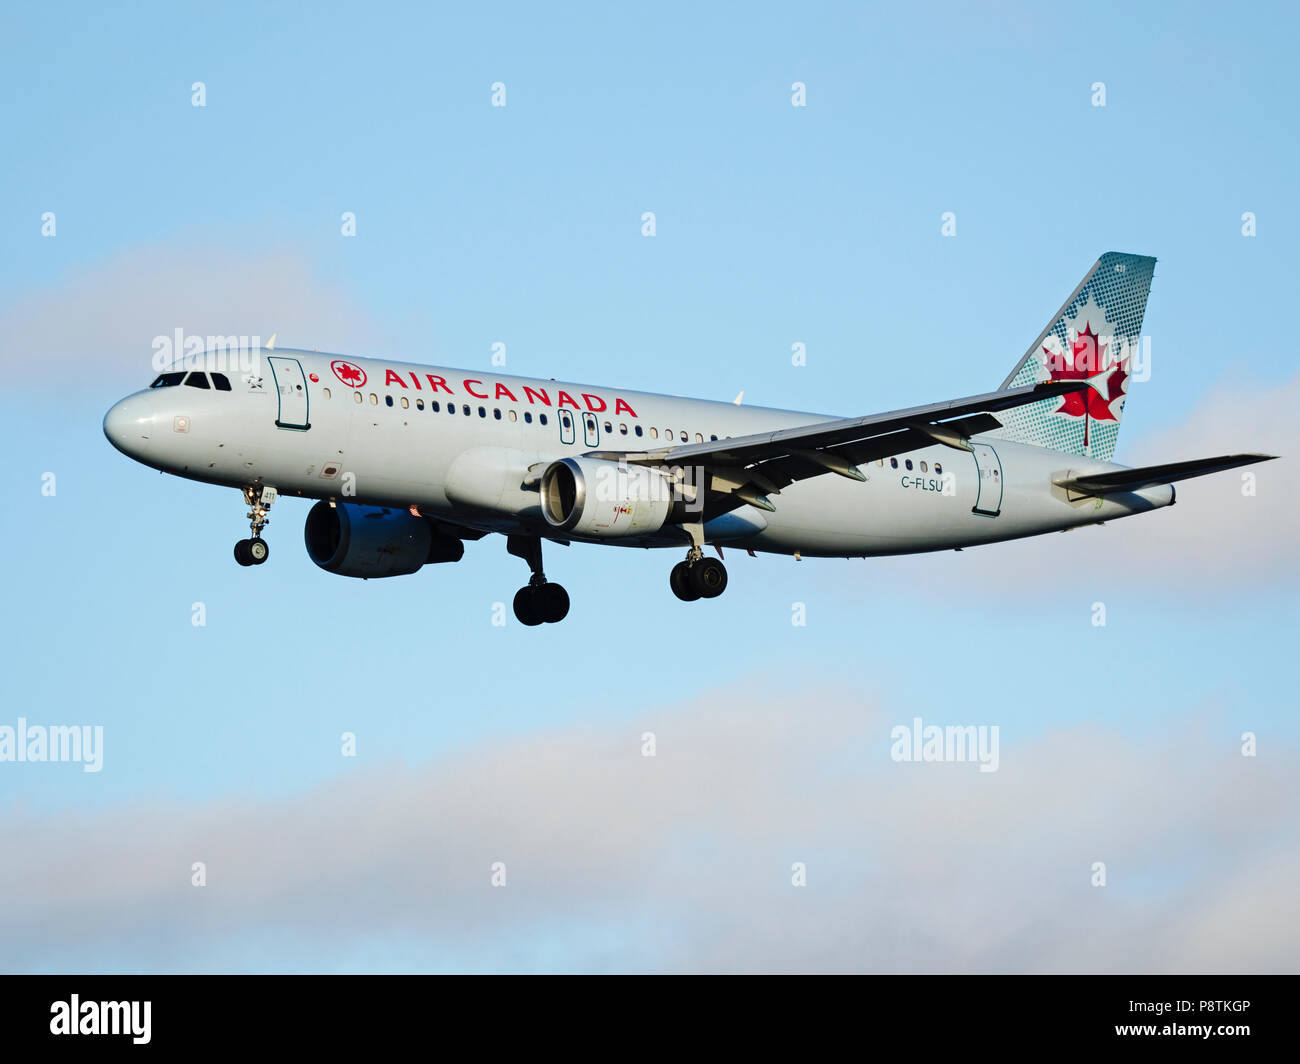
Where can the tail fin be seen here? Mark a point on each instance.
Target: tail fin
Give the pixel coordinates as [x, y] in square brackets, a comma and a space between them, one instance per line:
[1098, 328]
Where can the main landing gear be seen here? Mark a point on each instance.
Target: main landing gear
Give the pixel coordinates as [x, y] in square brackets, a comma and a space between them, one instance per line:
[256, 550]
[540, 601]
[698, 577]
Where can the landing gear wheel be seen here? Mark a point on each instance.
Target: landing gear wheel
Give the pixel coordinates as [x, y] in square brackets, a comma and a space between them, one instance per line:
[551, 602]
[526, 607]
[256, 550]
[680, 581]
[708, 577]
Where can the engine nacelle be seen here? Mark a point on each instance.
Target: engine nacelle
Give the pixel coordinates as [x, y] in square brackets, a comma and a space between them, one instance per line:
[374, 541]
[593, 497]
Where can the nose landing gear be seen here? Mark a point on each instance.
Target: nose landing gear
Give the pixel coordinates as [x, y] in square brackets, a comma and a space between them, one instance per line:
[256, 550]
[540, 601]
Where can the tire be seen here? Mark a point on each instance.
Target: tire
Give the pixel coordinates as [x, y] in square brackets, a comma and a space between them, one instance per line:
[241, 553]
[708, 577]
[258, 550]
[526, 607]
[552, 603]
[680, 581]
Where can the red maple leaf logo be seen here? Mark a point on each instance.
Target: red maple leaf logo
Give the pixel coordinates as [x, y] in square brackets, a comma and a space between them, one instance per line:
[352, 376]
[1086, 358]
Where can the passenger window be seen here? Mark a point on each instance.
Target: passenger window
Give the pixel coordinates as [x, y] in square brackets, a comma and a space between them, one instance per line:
[464, 407]
[699, 437]
[406, 403]
[496, 413]
[685, 436]
[482, 412]
[197, 380]
[713, 439]
[924, 468]
[514, 416]
[374, 399]
[222, 383]
[528, 416]
[938, 469]
[880, 462]
[325, 391]
[433, 405]
[541, 418]
[356, 396]
[419, 404]
[622, 428]
[908, 463]
[610, 428]
[893, 463]
[654, 433]
[638, 430]
[388, 400]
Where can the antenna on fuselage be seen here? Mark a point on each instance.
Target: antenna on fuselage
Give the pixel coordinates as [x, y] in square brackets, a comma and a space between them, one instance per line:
[739, 397]
[270, 344]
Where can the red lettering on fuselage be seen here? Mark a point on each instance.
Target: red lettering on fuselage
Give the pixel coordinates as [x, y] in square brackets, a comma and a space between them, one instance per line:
[595, 403]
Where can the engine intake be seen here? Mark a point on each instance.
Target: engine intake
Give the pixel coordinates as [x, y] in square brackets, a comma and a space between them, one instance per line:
[608, 500]
[374, 541]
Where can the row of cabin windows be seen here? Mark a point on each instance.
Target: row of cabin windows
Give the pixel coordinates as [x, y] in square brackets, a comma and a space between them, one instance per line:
[907, 464]
[654, 432]
[565, 416]
[193, 380]
[436, 407]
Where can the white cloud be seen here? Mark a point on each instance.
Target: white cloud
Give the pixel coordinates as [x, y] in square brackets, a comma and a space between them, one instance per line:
[682, 861]
[101, 321]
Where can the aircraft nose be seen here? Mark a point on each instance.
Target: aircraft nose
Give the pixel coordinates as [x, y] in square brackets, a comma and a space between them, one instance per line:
[129, 425]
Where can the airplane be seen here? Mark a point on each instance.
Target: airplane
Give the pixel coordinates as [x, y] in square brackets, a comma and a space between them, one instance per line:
[409, 461]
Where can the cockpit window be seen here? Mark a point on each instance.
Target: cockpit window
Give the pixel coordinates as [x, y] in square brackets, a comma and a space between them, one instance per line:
[197, 380]
[168, 380]
[221, 382]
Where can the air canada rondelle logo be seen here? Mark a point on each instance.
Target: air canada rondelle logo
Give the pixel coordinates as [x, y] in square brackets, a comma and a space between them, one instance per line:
[1088, 352]
[352, 376]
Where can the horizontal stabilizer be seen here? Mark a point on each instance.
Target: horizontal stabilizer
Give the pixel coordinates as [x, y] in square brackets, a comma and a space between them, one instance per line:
[1146, 476]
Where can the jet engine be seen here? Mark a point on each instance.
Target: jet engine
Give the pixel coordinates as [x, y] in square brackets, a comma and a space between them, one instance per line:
[608, 500]
[374, 541]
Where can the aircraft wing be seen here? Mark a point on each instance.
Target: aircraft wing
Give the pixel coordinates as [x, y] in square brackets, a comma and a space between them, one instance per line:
[749, 467]
[1144, 477]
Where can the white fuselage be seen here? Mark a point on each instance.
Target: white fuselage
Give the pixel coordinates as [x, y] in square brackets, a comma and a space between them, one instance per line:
[296, 424]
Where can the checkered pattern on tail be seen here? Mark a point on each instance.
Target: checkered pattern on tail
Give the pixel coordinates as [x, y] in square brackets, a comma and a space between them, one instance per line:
[1099, 326]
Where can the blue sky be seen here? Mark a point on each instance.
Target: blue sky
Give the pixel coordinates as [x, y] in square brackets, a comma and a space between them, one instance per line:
[521, 225]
